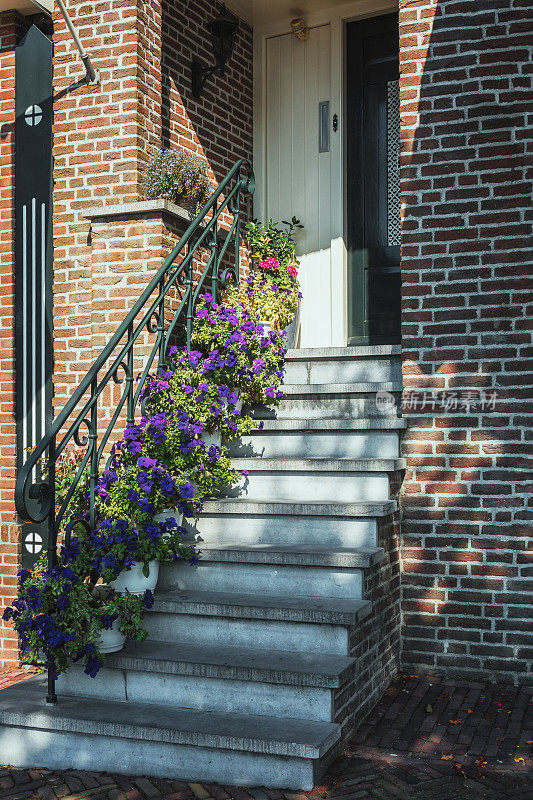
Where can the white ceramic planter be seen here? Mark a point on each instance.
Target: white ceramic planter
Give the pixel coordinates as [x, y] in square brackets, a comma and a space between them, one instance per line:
[237, 406]
[169, 512]
[111, 640]
[134, 581]
[267, 327]
[212, 439]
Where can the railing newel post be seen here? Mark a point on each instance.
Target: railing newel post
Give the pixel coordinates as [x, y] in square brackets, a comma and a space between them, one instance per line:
[51, 547]
[237, 216]
[189, 281]
[161, 321]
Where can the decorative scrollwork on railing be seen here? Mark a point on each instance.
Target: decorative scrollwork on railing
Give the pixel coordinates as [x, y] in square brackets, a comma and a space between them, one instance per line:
[81, 441]
[127, 373]
[153, 323]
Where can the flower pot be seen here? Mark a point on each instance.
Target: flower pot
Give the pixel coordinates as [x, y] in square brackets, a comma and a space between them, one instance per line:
[133, 580]
[292, 331]
[212, 439]
[267, 326]
[111, 640]
[169, 512]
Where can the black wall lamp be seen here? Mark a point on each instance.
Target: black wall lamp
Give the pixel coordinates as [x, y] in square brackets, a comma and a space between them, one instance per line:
[223, 31]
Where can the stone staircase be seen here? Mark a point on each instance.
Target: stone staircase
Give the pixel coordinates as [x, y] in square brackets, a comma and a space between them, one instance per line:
[262, 658]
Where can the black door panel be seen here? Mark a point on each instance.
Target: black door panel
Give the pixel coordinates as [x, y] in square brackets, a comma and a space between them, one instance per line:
[373, 181]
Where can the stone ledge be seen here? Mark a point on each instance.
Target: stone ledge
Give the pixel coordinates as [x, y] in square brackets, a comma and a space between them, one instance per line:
[139, 209]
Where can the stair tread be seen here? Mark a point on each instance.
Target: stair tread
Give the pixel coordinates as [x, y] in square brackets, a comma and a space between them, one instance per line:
[342, 353]
[235, 663]
[362, 387]
[291, 554]
[329, 610]
[319, 464]
[356, 508]
[333, 424]
[23, 705]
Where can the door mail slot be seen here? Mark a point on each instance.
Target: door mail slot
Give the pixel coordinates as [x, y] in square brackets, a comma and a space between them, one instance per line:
[323, 127]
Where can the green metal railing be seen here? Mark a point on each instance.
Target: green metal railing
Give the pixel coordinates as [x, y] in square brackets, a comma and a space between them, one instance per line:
[35, 500]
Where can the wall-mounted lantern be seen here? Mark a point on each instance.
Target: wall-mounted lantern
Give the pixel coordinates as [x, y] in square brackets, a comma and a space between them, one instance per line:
[300, 29]
[223, 31]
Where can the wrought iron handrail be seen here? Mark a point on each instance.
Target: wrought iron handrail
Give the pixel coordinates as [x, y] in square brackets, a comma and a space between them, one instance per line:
[203, 232]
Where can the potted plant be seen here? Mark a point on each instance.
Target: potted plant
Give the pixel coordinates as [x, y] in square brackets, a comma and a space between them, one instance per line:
[120, 615]
[237, 352]
[61, 619]
[178, 176]
[273, 290]
[202, 413]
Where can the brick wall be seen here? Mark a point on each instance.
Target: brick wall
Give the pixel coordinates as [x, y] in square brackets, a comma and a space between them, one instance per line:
[375, 642]
[218, 126]
[11, 30]
[466, 327]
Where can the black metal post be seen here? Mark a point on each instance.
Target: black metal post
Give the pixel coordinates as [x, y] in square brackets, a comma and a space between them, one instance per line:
[51, 554]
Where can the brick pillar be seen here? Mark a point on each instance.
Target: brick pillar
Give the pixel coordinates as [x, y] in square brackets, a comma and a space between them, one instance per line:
[103, 135]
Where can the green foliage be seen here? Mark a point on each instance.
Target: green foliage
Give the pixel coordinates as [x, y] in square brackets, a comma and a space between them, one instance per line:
[272, 298]
[272, 240]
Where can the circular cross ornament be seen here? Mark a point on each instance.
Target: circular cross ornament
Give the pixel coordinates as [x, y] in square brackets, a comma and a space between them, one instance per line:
[33, 542]
[33, 115]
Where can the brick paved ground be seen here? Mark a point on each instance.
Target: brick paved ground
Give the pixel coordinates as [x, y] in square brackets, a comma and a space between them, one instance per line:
[428, 739]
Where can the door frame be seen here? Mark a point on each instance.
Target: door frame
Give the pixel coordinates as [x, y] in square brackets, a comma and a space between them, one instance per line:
[337, 18]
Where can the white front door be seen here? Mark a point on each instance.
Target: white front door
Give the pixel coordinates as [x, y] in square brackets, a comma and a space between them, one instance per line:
[301, 161]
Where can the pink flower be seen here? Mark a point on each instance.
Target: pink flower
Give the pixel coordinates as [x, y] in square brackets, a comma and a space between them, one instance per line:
[291, 269]
[270, 263]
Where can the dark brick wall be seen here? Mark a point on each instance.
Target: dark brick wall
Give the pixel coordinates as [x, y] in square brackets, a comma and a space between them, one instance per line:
[466, 327]
[375, 643]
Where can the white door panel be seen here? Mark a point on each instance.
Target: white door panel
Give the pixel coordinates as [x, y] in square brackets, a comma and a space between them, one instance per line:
[298, 177]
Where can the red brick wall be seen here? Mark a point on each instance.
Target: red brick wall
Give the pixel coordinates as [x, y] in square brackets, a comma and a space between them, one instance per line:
[218, 126]
[101, 137]
[11, 30]
[466, 326]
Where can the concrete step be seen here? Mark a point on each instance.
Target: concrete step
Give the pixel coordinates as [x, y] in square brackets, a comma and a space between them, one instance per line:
[328, 438]
[335, 401]
[236, 680]
[296, 555]
[337, 524]
[257, 578]
[179, 743]
[311, 572]
[374, 364]
[328, 479]
[262, 622]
